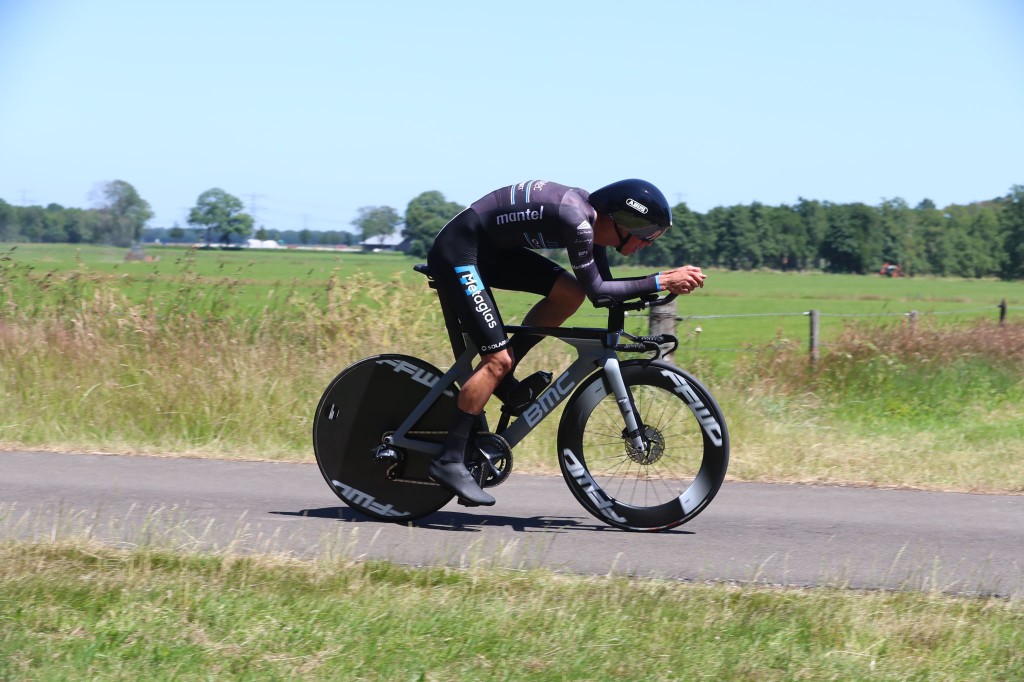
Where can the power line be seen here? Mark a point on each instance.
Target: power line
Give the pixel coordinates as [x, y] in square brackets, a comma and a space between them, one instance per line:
[253, 207]
[295, 216]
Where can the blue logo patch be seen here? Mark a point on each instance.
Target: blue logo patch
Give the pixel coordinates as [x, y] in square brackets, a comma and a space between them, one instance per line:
[470, 279]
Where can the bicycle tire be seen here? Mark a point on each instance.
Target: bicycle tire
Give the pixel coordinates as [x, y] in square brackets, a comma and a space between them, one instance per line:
[366, 401]
[669, 483]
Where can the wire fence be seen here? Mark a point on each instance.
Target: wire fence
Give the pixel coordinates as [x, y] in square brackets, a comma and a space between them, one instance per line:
[665, 320]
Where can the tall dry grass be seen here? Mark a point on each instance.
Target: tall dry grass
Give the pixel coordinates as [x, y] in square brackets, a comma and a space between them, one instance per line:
[919, 405]
[82, 367]
[920, 371]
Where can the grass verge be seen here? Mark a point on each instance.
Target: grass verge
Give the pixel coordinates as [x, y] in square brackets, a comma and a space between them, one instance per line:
[78, 611]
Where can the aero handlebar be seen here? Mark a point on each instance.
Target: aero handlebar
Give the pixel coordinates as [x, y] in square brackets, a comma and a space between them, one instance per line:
[645, 301]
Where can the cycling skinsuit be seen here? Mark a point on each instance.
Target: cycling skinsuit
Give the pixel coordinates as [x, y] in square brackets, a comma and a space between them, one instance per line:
[491, 244]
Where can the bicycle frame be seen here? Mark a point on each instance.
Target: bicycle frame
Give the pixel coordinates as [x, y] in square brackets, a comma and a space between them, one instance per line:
[595, 350]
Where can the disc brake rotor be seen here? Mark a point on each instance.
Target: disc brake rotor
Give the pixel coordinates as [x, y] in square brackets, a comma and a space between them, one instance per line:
[654, 447]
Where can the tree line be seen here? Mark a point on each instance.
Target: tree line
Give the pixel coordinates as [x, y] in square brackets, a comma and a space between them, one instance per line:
[981, 239]
[118, 218]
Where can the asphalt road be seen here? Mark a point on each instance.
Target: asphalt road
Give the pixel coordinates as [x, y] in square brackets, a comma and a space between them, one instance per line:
[774, 534]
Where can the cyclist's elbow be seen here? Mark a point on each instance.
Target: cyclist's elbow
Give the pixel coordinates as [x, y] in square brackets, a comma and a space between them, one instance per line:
[601, 300]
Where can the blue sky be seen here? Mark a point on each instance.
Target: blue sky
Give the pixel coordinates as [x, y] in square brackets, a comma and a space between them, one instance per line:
[308, 111]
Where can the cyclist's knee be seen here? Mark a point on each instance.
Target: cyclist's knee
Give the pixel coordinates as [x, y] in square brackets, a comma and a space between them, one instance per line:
[499, 364]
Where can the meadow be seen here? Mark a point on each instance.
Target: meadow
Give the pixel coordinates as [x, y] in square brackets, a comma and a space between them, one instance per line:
[735, 311]
[225, 353]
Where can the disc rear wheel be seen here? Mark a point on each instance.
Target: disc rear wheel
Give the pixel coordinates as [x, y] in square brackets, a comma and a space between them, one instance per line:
[363, 404]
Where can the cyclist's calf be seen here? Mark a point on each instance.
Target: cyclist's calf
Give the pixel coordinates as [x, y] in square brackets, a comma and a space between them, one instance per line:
[479, 387]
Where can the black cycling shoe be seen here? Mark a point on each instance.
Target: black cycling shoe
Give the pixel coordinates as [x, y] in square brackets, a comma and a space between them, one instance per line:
[455, 478]
[519, 394]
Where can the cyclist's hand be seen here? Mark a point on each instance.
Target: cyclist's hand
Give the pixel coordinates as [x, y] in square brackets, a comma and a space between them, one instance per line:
[682, 280]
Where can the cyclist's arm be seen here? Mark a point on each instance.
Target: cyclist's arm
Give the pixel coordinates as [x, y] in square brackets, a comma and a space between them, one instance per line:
[590, 264]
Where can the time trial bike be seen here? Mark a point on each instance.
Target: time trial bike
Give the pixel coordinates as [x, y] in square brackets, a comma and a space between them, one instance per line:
[641, 444]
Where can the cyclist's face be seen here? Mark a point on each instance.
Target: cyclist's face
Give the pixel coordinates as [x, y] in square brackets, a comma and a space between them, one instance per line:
[632, 243]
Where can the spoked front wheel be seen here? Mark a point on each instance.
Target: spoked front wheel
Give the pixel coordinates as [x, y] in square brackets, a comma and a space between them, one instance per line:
[667, 482]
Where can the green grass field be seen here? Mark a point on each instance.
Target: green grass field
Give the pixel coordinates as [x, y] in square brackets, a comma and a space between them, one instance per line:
[770, 304]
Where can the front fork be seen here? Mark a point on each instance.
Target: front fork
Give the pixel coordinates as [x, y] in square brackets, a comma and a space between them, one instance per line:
[633, 432]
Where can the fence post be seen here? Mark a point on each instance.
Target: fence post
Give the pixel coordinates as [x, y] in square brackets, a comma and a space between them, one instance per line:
[815, 328]
[1002, 312]
[663, 321]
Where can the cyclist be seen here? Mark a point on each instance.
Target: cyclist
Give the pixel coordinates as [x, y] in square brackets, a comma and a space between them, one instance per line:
[492, 244]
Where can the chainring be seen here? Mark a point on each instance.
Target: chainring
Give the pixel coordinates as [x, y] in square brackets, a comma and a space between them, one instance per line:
[489, 460]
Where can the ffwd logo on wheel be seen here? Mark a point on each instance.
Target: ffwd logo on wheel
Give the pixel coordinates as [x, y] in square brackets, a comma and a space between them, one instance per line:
[589, 486]
[359, 498]
[707, 420]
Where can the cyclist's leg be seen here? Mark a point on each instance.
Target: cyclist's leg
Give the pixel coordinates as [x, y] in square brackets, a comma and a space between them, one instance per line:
[458, 262]
[526, 270]
[478, 388]
[454, 264]
[565, 298]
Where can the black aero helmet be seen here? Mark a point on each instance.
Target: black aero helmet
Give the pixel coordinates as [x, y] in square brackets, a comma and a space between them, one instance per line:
[637, 206]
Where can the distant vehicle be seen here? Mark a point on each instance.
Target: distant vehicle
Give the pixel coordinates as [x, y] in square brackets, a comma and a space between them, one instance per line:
[891, 270]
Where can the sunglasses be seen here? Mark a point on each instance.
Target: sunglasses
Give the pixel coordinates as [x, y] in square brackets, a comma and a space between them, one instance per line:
[646, 240]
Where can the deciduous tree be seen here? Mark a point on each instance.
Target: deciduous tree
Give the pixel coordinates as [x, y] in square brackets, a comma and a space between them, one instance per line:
[1013, 224]
[219, 212]
[424, 217]
[377, 221]
[123, 213]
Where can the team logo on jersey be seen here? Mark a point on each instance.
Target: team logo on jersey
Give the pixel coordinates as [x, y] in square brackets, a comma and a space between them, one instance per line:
[469, 277]
[519, 216]
[636, 205]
